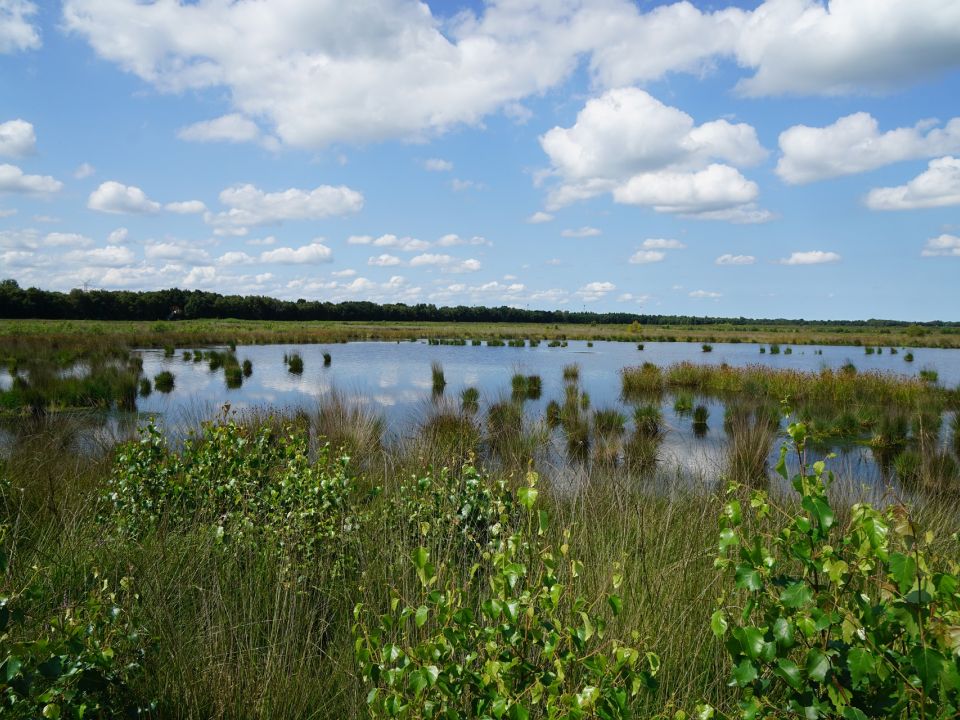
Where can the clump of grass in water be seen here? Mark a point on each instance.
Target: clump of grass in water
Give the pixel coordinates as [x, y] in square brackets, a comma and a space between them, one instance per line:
[788, 351]
[571, 373]
[647, 420]
[447, 437]
[869, 350]
[646, 379]
[294, 363]
[350, 426]
[216, 360]
[168, 351]
[197, 356]
[608, 427]
[763, 350]
[439, 381]
[700, 416]
[774, 349]
[706, 347]
[526, 387]
[233, 375]
[495, 343]
[908, 357]
[639, 346]
[247, 368]
[327, 359]
[145, 387]
[470, 400]
[894, 351]
[929, 375]
[683, 404]
[750, 434]
[187, 356]
[163, 381]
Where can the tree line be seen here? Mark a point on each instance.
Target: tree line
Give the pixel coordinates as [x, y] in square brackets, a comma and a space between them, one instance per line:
[174, 303]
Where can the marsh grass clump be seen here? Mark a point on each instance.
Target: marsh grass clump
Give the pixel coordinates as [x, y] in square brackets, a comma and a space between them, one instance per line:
[868, 350]
[607, 421]
[706, 347]
[350, 426]
[571, 373]
[908, 465]
[169, 351]
[526, 387]
[495, 343]
[439, 382]
[929, 375]
[763, 350]
[327, 359]
[216, 360]
[644, 380]
[683, 404]
[517, 343]
[145, 387]
[750, 436]
[774, 349]
[908, 357]
[470, 400]
[647, 420]
[788, 351]
[247, 368]
[955, 433]
[447, 437]
[700, 416]
[233, 374]
[187, 356]
[639, 346]
[294, 363]
[197, 356]
[163, 381]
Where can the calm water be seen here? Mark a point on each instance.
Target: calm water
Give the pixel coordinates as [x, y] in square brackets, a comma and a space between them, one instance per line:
[394, 379]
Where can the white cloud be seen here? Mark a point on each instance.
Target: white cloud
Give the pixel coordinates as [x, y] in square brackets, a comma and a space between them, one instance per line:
[948, 245]
[27, 239]
[266, 241]
[385, 69]
[437, 165]
[630, 297]
[13, 180]
[937, 186]
[251, 206]
[459, 185]
[854, 144]
[595, 290]
[17, 137]
[582, 232]
[846, 46]
[175, 251]
[16, 30]
[307, 255]
[662, 244]
[226, 128]
[235, 257]
[729, 259]
[404, 244]
[46, 219]
[118, 236]
[187, 207]
[348, 272]
[453, 240]
[539, 217]
[384, 260]
[811, 257]
[447, 263]
[114, 197]
[705, 295]
[629, 144]
[7, 212]
[58, 239]
[109, 256]
[84, 170]
[643, 257]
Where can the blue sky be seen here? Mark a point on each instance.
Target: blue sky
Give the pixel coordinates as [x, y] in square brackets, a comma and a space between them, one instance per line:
[790, 158]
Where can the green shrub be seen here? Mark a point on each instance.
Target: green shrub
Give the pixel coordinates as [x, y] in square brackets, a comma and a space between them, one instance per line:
[849, 619]
[518, 639]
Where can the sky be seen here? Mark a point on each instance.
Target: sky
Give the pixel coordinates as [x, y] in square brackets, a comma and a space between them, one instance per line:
[787, 158]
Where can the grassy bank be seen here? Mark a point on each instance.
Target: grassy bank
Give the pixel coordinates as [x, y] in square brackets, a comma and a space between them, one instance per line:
[23, 336]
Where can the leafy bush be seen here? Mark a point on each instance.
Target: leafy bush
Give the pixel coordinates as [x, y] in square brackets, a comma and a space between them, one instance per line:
[79, 662]
[242, 483]
[520, 644]
[853, 619]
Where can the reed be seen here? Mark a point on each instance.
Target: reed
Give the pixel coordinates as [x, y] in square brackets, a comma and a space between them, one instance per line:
[470, 400]
[294, 363]
[163, 381]
[439, 382]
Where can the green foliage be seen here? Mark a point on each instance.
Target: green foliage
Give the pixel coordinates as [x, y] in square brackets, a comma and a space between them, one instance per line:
[163, 381]
[78, 662]
[294, 363]
[854, 619]
[517, 641]
[242, 484]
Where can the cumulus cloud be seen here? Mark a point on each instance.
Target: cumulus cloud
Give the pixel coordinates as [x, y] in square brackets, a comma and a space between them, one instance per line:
[937, 186]
[644, 257]
[14, 180]
[384, 260]
[109, 256]
[595, 290]
[447, 263]
[704, 295]
[347, 272]
[187, 207]
[250, 206]
[311, 254]
[17, 138]
[854, 144]
[539, 217]
[235, 257]
[404, 244]
[59, 239]
[453, 240]
[118, 236]
[179, 252]
[437, 165]
[629, 144]
[385, 69]
[662, 244]
[84, 170]
[117, 198]
[948, 245]
[729, 259]
[811, 257]
[17, 32]
[226, 128]
[581, 232]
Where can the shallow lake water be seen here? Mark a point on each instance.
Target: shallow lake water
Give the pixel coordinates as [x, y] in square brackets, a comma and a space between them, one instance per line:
[394, 380]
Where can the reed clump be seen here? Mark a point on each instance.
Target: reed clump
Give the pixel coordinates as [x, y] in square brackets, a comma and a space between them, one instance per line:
[294, 363]
[163, 381]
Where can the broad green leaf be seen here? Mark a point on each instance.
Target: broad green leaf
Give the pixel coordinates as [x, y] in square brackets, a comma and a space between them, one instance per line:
[718, 623]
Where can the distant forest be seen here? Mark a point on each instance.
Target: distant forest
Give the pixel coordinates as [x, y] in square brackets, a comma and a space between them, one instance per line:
[17, 302]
